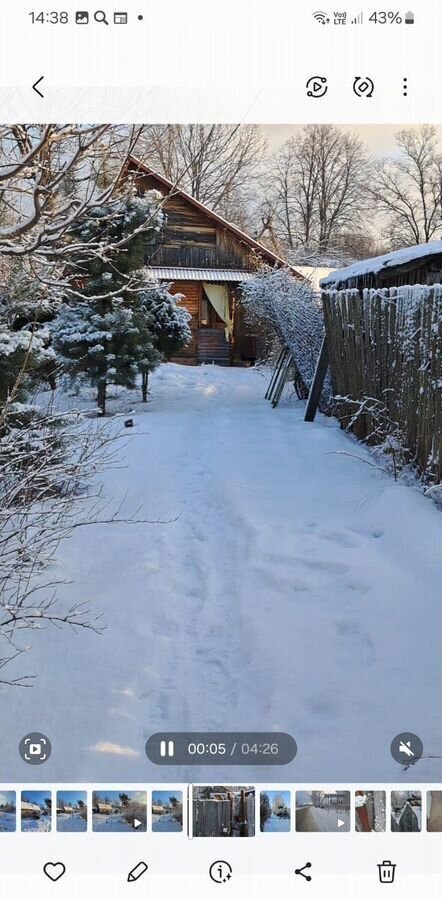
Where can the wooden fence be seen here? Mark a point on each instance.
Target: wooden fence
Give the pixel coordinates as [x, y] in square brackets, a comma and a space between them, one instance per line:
[233, 816]
[385, 360]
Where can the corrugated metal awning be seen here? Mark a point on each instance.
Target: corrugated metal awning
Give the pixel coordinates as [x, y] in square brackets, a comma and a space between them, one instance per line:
[173, 273]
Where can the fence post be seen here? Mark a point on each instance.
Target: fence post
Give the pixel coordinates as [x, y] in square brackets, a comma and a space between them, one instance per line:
[317, 383]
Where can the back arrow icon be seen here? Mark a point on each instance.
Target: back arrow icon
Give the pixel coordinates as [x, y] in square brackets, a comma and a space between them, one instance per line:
[35, 88]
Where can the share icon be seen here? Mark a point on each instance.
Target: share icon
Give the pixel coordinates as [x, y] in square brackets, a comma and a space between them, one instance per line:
[302, 871]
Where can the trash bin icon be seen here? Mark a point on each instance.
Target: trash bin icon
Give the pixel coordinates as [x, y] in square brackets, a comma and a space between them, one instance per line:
[386, 872]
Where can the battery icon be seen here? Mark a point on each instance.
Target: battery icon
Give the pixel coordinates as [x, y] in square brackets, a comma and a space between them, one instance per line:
[409, 18]
[167, 748]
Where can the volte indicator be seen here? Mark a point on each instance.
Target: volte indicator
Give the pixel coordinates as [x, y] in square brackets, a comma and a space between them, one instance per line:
[256, 748]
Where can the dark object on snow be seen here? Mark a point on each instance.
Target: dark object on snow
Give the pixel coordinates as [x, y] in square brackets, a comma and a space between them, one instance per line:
[128, 423]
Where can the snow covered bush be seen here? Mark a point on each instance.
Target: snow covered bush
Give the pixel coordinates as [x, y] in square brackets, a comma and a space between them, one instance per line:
[26, 357]
[291, 309]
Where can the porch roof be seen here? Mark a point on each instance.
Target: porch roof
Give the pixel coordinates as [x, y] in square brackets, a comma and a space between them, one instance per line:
[175, 273]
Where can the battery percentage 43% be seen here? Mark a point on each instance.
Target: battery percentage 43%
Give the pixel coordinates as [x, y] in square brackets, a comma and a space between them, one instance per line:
[386, 17]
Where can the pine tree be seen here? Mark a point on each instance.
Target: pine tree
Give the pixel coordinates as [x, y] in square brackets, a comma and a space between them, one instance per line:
[101, 332]
[166, 324]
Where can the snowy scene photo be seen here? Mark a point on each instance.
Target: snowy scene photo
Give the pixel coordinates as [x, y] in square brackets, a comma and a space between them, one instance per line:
[406, 811]
[36, 811]
[323, 811]
[119, 811]
[370, 811]
[220, 811]
[220, 452]
[8, 811]
[71, 811]
[274, 811]
[167, 811]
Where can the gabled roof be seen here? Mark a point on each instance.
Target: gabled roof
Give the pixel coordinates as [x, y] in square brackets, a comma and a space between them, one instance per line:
[172, 189]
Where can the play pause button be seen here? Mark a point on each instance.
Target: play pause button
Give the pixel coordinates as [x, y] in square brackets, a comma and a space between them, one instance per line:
[137, 824]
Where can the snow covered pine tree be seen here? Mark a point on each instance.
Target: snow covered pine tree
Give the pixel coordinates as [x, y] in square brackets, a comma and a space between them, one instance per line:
[115, 324]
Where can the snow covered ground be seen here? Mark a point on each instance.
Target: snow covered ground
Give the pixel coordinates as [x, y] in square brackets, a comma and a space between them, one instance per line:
[166, 822]
[44, 823]
[8, 821]
[114, 822]
[277, 823]
[66, 822]
[311, 818]
[292, 587]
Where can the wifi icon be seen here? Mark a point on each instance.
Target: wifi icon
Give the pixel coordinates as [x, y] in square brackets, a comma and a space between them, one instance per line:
[321, 17]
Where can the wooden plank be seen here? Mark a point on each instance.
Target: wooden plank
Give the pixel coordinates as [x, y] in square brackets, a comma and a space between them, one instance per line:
[317, 383]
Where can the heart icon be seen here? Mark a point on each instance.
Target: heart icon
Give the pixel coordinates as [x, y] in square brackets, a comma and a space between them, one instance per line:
[54, 871]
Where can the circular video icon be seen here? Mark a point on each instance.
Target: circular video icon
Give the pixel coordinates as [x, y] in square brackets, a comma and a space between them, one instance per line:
[317, 86]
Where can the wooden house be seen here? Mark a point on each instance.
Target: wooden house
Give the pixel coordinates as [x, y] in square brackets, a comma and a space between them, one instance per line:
[421, 264]
[205, 259]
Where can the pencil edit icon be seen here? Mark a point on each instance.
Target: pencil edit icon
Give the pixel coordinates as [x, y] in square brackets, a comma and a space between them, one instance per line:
[138, 871]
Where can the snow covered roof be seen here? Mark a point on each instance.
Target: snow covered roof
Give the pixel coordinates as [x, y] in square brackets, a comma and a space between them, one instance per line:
[378, 263]
[176, 273]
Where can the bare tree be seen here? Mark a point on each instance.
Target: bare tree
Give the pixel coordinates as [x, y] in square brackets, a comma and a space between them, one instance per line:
[216, 164]
[408, 188]
[51, 177]
[317, 187]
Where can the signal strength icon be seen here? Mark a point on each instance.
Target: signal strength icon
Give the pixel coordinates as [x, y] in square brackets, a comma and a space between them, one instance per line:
[358, 20]
[321, 17]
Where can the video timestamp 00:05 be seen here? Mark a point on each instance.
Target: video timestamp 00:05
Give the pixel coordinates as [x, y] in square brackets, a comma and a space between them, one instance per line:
[228, 748]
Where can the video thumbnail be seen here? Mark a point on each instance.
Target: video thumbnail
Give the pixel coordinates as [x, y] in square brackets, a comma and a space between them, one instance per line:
[370, 811]
[72, 811]
[8, 811]
[274, 810]
[119, 811]
[323, 811]
[36, 811]
[167, 811]
[434, 811]
[406, 811]
[220, 811]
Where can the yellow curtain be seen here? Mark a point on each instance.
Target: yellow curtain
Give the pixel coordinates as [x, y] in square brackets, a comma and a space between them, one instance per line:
[218, 295]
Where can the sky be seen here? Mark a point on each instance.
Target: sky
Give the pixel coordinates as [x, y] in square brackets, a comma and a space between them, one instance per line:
[380, 139]
[71, 798]
[114, 796]
[161, 797]
[7, 797]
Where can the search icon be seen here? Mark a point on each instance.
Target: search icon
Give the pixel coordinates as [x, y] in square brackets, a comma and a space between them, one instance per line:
[100, 16]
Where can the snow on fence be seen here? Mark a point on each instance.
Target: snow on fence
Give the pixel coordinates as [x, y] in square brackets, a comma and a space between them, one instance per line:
[385, 360]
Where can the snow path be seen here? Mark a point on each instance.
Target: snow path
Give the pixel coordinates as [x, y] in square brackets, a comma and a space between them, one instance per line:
[295, 588]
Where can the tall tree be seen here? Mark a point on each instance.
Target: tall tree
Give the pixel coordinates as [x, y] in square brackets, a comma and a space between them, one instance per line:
[317, 188]
[407, 188]
[216, 164]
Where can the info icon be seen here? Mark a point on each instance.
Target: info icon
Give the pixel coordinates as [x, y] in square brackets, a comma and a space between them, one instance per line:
[35, 748]
[407, 748]
[220, 871]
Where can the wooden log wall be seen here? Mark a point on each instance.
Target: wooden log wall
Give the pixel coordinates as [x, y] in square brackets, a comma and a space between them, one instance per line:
[387, 345]
[192, 292]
